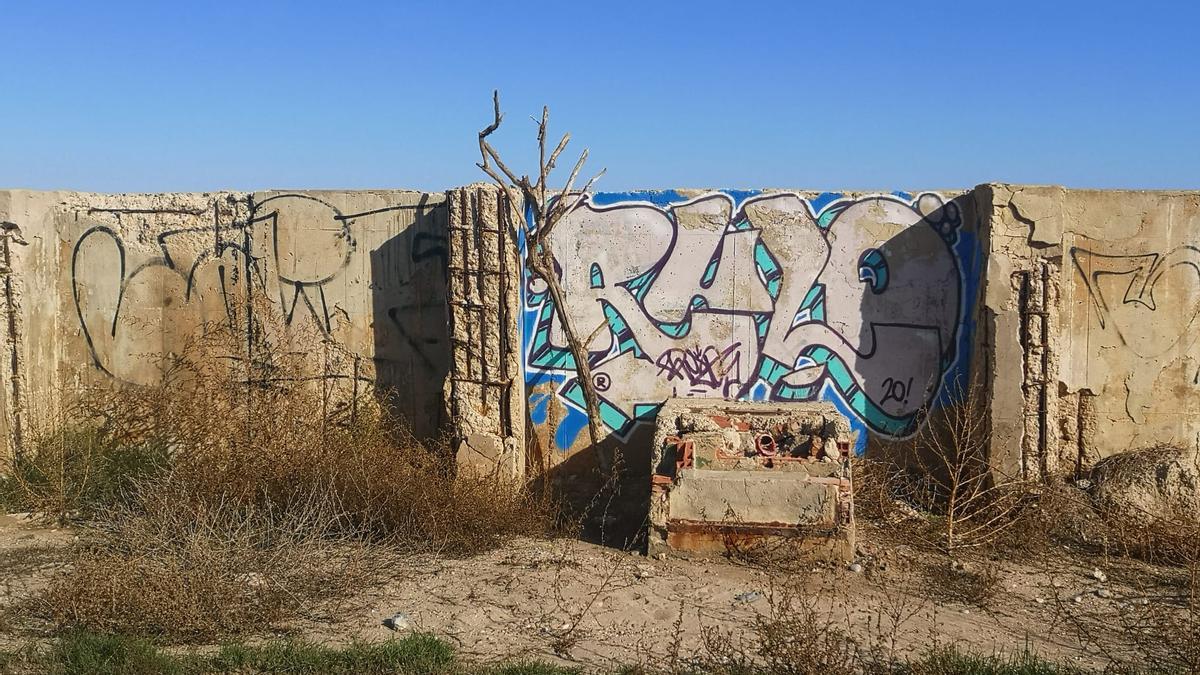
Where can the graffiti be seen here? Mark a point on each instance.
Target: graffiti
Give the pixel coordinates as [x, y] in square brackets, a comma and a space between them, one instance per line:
[704, 369]
[895, 390]
[1122, 291]
[861, 301]
[367, 280]
[166, 288]
[1138, 333]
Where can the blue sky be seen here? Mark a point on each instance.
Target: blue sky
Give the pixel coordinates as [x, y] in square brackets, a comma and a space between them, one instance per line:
[152, 96]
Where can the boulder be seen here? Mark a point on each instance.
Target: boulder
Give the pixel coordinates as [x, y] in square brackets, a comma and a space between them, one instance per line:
[1146, 485]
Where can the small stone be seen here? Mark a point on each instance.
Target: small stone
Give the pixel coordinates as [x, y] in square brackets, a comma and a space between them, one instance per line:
[398, 621]
[747, 597]
[856, 568]
[1040, 601]
[1103, 593]
[1099, 576]
[966, 611]
[1077, 599]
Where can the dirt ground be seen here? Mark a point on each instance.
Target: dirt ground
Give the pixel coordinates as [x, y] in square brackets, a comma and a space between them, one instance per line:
[29, 553]
[568, 601]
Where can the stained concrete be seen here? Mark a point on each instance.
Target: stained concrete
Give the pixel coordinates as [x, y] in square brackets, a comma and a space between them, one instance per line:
[485, 391]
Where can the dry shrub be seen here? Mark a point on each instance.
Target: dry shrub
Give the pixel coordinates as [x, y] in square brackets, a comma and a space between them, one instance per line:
[186, 570]
[1173, 540]
[1166, 627]
[971, 583]
[943, 471]
[1156, 617]
[1158, 622]
[262, 423]
[68, 469]
[285, 486]
[793, 636]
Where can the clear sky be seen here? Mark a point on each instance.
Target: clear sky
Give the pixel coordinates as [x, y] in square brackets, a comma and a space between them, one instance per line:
[156, 96]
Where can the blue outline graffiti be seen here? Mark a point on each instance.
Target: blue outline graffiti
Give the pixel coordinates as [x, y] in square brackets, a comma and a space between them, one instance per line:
[801, 359]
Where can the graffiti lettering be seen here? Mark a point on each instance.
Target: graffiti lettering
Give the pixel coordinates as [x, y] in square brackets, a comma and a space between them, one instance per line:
[895, 390]
[707, 368]
[858, 300]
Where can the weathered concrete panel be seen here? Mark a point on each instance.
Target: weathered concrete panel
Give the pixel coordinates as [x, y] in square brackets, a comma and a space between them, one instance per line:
[1077, 310]
[1098, 294]
[367, 269]
[755, 497]
[106, 286]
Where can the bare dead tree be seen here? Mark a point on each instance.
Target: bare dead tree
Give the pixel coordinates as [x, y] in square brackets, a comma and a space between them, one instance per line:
[548, 207]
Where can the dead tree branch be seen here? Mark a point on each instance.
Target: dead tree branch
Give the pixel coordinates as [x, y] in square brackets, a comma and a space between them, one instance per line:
[548, 208]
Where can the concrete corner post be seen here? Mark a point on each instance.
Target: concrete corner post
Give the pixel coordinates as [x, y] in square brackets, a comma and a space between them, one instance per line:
[485, 389]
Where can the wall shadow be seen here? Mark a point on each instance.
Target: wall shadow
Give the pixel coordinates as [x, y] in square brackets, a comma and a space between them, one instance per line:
[609, 513]
[955, 377]
[410, 322]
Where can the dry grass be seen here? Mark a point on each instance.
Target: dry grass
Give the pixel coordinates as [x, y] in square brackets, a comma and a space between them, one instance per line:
[70, 468]
[275, 489]
[972, 583]
[190, 571]
[794, 635]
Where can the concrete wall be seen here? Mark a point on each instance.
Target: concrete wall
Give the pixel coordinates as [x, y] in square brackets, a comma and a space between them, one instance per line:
[1091, 309]
[1076, 310]
[102, 287]
[866, 300]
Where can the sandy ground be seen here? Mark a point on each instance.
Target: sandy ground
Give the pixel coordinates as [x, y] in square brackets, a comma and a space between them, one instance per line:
[573, 602]
[29, 553]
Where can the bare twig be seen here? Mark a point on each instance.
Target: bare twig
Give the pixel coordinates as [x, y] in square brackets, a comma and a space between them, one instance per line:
[540, 258]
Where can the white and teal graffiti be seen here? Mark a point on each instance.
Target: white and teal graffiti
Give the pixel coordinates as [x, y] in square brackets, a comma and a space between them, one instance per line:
[770, 296]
